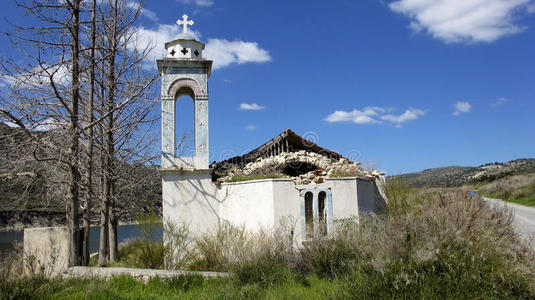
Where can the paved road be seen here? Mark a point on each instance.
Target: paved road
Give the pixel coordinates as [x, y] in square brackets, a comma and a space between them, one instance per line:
[524, 219]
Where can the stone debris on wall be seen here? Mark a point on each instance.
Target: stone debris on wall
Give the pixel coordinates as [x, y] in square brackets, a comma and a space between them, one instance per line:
[302, 166]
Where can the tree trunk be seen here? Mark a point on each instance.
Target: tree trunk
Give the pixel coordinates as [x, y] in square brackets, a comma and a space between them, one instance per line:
[104, 225]
[104, 204]
[110, 141]
[114, 250]
[74, 132]
[109, 178]
[103, 243]
[89, 174]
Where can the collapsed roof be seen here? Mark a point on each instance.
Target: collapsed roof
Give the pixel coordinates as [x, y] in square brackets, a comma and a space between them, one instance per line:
[287, 141]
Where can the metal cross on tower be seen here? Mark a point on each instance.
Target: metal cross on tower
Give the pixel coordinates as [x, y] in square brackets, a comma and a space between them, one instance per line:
[184, 22]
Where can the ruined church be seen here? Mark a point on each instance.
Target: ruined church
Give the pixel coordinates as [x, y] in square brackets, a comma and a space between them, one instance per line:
[288, 176]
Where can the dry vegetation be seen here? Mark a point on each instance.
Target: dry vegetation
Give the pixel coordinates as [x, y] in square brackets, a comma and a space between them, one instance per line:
[440, 244]
[519, 189]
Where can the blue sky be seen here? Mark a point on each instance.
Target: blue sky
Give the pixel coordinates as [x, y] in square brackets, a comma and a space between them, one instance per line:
[401, 85]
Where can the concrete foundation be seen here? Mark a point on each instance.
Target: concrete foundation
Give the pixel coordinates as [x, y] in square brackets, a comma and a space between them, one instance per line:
[140, 274]
[46, 250]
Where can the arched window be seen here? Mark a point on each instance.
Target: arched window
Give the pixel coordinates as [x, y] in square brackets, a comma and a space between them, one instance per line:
[185, 122]
[316, 213]
[322, 213]
[309, 215]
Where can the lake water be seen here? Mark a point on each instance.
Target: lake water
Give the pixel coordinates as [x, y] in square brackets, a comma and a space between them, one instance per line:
[124, 232]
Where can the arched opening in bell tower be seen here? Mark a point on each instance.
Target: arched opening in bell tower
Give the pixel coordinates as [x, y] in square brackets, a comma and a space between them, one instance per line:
[185, 122]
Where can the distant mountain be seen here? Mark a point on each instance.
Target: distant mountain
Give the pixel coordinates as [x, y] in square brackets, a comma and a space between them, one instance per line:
[456, 175]
[29, 196]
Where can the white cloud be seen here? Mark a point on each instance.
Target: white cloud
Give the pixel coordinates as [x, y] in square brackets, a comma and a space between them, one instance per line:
[44, 125]
[455, 21]
[154, 40]
[409, 115]
[224, 52]
[10, 124]
[462, 107]
[250, 127]
[144, 11]
[200, 3]
[252, 106]
[221, 51]
[499, 102]
[356, 116]
[39, 76]
[372, 115]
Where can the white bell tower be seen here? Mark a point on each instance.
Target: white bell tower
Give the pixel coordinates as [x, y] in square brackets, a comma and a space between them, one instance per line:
[188, 192]
[184, 72]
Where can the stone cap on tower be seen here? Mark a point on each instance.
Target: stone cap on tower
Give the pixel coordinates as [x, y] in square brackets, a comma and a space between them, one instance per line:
[185, 46]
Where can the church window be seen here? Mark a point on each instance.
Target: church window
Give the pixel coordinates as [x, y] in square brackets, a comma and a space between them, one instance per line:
[309, 215]
[185, 123]
[322, 212]
[316, 213]
[184, 51]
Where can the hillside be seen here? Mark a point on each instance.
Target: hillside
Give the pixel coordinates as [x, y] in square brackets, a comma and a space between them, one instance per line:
[457, 176]
[31, 193]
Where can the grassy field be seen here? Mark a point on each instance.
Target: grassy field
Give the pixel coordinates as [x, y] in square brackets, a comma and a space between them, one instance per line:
[518, 189]
[183, 287]
[438, 245]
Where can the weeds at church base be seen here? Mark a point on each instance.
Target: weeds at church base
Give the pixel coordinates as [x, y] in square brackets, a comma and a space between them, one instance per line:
[434, 244]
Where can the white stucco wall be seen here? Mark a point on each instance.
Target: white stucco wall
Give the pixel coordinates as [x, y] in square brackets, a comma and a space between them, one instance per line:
[287, 203]
[190, 198]
[344, 195]
[248, 203]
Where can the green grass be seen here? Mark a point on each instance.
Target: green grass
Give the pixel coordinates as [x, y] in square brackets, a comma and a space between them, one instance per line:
[239, 178]
[527, 197]
[180, 287]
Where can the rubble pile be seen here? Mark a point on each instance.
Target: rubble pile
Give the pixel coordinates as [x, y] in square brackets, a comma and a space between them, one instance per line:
[303, 167]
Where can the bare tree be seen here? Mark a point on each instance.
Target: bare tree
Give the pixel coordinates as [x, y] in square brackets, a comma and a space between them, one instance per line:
[125, 122]
[90, 107]
[74, 131]
[48, 92]
[109, 117]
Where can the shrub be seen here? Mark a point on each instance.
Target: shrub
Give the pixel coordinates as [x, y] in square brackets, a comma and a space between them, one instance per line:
[148, 225]
[179, 252]
[12, 266]
[329, 258]
[173, 252]
[265, 258]
[432, 244]
[270, 257]
[447, 244]
[219, 249]
[400, 196]
[140, 253]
